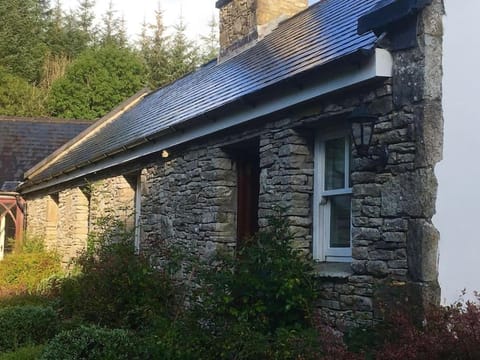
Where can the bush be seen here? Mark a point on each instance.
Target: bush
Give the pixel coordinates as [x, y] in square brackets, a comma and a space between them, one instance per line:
[25, 299]
[23, 270]
[92, 343]
[24, 353]
[26, 325]
[257, 304]
[20, 273]
[267, 284]
[447, 333]
[116, 287]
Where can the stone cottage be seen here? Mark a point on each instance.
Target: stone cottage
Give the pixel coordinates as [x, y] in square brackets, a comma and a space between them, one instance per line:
[23, 143]
[332, 111]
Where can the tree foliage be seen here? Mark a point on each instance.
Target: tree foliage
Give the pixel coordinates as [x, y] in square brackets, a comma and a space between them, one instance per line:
[96, 82]
[18, 97]
[72, 64]
[169, 57]
[21, 45]
[210, 46]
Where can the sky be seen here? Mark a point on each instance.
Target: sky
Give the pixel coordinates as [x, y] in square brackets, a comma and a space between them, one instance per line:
[197, 13]
[458, 204]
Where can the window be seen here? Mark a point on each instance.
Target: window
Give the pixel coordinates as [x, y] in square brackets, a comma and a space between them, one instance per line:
[333, 193]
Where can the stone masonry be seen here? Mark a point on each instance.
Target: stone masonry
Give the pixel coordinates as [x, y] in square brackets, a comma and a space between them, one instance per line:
[189, 200]
[113, 197]
[64, 219]
[242, 21]
[72, 228]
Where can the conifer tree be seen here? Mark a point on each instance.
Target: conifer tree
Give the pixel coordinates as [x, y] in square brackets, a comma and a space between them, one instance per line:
[85, 17]
[22, 46]
[154, 50]
[210, 41]
[113, 31]
[183, 54]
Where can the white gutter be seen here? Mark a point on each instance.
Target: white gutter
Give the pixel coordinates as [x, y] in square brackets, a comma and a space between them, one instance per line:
[378, 66]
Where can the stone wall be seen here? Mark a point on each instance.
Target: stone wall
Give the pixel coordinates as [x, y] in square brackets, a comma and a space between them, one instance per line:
[65, 218]
[113, 197]
[190, 200]
[51, 224]
[286, 178]
[268, 10]
[72, 228]
[238, 24]
[37, 217]
[241, 21]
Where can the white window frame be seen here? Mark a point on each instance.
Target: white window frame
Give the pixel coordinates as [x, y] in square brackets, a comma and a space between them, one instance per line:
[322, 206]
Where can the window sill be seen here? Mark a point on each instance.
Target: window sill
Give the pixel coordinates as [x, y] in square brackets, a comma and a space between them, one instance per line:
[332, 270]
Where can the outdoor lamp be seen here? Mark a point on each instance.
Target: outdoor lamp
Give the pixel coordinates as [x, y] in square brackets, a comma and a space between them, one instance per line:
[363, 124]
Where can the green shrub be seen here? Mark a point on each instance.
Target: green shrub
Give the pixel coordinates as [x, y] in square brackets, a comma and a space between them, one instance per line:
[24, 353]
[20, 273]
[267, 284]
[116, 287]
[92, 343]
[257, 304]
[26, 267]
[29, 244]
[25, 300]
[26, 325]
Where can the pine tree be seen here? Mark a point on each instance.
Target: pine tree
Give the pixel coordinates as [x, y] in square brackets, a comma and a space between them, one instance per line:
[113, 31]
[154, 50]
[121, 35]
[44, 8]
[22, 46]
[85, 18]
[85, 15]
[183, 54]
[210, 45]
[64, 37]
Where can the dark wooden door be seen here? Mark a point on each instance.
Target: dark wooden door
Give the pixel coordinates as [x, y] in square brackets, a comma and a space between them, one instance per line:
[248, 177]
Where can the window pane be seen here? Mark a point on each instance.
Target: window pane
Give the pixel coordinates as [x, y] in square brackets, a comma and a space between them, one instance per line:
[340, 212]
[335, 164]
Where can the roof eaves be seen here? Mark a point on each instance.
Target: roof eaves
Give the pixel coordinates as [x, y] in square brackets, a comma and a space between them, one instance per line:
[87, 133]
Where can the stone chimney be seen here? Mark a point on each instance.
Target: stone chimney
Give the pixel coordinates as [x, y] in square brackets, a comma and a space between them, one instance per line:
[244, 22]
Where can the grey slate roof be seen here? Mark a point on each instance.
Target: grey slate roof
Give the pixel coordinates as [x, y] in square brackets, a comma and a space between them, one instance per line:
[26, 141]
[325, 32]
